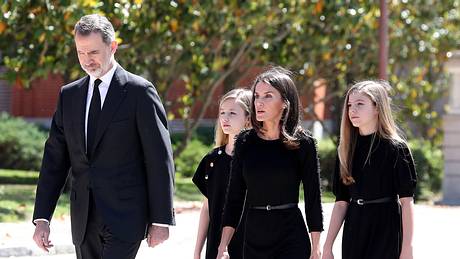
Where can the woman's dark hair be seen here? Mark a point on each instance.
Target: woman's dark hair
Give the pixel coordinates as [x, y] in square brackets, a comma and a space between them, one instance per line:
[280, 79]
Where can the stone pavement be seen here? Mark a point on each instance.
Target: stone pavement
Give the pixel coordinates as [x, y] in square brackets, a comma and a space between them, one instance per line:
[437, 231]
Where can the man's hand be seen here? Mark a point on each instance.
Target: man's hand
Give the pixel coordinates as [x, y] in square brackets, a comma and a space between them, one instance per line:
[157, 235]
[41, 235]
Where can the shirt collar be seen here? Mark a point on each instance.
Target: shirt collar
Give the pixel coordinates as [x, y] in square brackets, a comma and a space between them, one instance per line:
[107, 78]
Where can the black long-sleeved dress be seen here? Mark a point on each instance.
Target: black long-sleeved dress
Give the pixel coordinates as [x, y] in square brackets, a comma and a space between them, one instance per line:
[374, 231]
[271, 174]
[211, 178]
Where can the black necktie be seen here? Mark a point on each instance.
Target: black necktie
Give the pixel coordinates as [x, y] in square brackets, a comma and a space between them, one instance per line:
[93, 117]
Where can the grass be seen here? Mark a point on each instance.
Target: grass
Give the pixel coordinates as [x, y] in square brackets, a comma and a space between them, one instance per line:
[186, 190]
[18, 177]
[17, 203]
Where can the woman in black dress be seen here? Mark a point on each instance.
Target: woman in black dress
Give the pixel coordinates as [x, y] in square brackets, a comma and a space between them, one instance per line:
[270, 161]
[374, 180]
[213, 172]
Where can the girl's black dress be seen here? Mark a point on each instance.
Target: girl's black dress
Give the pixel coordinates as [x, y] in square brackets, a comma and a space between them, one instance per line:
[374, 231]
[271, 174]
[211, 178]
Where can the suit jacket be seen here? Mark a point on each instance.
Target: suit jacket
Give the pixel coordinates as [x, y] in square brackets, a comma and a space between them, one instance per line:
[131, 171]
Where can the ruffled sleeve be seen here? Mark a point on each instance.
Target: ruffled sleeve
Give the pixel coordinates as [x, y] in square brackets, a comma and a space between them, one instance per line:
[200, 176]
[236, 190]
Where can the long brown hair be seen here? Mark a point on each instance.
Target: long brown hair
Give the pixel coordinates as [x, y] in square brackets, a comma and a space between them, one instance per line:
[243, 98]
[281, 79]
[377, 91]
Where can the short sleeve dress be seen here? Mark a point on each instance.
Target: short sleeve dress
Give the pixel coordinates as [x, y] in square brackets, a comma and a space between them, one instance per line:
[211, 178]
[374, 231]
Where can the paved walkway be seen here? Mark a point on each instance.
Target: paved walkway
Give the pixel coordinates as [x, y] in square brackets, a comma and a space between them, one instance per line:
[436, 236]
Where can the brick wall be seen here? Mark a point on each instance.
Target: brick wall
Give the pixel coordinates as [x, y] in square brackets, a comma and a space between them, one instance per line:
[39, 100]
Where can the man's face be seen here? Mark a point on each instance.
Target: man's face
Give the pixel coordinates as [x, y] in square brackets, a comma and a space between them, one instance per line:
[94, 54]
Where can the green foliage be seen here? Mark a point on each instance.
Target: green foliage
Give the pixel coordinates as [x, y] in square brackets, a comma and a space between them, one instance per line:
[186, 190]
[428, 162]
[17, 203]
[203, 134]
[187, 162]
[18, 177]
[21, 144]
[327, 152]
[207, 43]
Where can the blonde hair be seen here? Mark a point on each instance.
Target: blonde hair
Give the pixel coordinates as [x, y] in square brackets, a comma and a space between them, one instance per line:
[243, 97]
[377, 91]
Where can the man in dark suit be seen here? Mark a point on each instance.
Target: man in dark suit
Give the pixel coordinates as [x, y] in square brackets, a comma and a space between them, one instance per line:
[110, 133]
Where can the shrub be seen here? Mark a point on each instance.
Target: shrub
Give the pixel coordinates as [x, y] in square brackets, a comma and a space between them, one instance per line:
[429, 164]
[21, 144]
[188, 160]
[327, 152]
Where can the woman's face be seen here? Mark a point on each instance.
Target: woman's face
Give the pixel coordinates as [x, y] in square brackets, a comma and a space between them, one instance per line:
[268, 103]
[362, 112]
[232, 117]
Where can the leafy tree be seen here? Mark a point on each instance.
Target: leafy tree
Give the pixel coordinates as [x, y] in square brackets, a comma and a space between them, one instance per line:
[204, 44]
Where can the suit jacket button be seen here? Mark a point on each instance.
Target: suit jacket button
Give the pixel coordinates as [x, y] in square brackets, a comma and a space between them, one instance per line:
[211, 164]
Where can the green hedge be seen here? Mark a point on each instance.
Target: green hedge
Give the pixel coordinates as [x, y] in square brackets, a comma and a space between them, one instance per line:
[21, 144]
[429, 163]
[428, 160]
[18, 177]
[187, 162]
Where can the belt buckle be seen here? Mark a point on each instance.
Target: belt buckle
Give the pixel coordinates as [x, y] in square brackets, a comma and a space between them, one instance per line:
[360, 201]
[268, 207]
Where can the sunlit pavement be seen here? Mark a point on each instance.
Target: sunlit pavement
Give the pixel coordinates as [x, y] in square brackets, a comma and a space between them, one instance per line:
[437, 231]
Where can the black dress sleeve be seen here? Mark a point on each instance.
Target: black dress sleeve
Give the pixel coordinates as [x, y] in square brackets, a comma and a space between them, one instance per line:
[406, 176]
[340, 190]
[312, 187]
[199, 178]
[236, 190]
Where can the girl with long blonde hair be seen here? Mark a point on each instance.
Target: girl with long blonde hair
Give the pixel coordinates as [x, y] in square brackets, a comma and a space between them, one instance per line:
[212, 174]
[374, 180]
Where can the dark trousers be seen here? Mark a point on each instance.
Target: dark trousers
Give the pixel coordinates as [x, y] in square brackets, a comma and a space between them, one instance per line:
[99, 243]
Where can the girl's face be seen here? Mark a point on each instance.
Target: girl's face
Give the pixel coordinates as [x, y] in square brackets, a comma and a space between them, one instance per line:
[362, 112]
[232, 117]
[268, 103]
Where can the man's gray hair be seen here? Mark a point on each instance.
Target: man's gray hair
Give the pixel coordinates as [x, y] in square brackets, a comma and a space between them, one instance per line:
[95, 23]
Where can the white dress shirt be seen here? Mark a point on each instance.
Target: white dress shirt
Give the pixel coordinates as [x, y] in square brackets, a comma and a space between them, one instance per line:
[103, 89]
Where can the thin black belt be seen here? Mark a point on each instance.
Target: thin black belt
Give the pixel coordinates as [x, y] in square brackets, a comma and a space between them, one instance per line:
[276, 207]
[381, 200]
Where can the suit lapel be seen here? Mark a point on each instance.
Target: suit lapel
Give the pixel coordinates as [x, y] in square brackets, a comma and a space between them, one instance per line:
[115, 95]
[80, 112]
